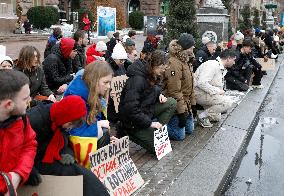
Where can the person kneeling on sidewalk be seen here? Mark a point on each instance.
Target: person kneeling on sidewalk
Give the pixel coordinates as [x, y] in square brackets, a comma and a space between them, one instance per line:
[179, 85]
[209, 87]
[52, 123]
[143, 108]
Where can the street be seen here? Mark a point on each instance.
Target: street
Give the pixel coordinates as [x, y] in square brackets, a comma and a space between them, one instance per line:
[262, 171]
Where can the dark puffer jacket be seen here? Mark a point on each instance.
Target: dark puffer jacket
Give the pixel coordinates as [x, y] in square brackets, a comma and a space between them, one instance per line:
[136, 108]
[202, 56]
[57, 69]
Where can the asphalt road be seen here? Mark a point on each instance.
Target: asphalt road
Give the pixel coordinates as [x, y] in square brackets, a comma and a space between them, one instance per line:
[262, 170]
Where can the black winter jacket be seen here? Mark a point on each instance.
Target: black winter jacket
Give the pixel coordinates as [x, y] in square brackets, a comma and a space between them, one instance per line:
[136, 108]
[202, 56]
[39, 117]
[79, 62]
[57, 69]
[38, 84]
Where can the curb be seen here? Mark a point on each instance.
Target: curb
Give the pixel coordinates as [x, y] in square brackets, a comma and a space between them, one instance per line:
[212, 169]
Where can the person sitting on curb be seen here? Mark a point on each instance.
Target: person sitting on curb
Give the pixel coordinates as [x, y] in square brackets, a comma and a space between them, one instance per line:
[209, 87]
[52, 123]
[29, 63]
[81, 41]
[143, 108]
[52, 40]
[58, 65]
[179, 85]
[96, 52]
[93, 86]
[239, 75]
[17, 138]
[6, 62]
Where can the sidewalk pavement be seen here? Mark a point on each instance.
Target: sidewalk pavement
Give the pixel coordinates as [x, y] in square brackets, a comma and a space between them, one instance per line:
[204, 162]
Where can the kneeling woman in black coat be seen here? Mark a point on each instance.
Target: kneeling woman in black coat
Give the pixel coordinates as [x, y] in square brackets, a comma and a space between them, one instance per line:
[142, 107]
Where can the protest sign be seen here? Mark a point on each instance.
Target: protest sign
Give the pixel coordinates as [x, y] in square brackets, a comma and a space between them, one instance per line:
[162, 142]
[55, 185]
[117, 84]
[268, 65]
[116, 170]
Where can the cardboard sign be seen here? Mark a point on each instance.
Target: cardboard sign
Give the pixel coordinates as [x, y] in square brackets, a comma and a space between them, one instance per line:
[269, 65]
[162, 142]
[116, 170]
[55, 185]
[117, 84]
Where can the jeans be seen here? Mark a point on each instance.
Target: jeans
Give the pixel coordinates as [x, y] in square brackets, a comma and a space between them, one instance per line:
[177, 133]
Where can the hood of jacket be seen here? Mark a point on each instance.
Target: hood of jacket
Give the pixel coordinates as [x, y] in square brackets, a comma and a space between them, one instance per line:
[137, 68]
[78, 87]
[66, 46]
[176, 50]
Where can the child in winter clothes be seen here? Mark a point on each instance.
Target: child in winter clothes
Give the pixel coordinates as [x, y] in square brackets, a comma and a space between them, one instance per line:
[96, 52]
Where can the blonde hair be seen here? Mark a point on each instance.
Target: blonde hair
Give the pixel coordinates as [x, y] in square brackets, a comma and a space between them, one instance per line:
[92, 74]
[26, 58]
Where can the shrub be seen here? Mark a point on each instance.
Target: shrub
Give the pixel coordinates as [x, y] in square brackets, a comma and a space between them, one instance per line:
[43, 16]
[136, 20]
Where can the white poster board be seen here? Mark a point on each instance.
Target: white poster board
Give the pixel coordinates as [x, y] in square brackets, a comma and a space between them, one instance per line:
[116, 170]
[106, 20]
[162, 142]
[117, 84]
[2, 50]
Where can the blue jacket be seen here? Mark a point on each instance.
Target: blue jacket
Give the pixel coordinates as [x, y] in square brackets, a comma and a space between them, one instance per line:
[79, 87]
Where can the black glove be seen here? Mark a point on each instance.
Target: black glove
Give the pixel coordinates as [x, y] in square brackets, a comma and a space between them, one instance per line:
[34, 178]
[182, 119]
[194, 111]
[67, 159]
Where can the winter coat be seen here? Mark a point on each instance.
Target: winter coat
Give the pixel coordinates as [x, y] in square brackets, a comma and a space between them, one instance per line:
[179, 79]
[91, 53]
[38, 84]
[202, 56]
[57, 69]
[17, 148]
[138, 97]
[79, 62]
[209, 78]
[87, 24]
[52, 40]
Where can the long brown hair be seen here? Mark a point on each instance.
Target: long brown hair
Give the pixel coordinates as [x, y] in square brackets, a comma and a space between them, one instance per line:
[26, 58]
[92, 74]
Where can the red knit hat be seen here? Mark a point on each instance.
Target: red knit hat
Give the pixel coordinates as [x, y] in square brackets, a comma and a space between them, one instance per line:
[69, 109]
[66, 46]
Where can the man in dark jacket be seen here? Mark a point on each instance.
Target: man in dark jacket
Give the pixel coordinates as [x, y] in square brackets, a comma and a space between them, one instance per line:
[58, 65]
[51, 123]
[81, 41]
[52, 40]
[238, 77]
[207, 52]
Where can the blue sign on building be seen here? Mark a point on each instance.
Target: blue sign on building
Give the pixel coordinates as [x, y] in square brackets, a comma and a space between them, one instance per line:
[282, 19]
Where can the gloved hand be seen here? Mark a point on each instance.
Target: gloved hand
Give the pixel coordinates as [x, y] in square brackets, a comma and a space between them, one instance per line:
[194, 111]
[182, 119]
[67, 159]
[34, 178]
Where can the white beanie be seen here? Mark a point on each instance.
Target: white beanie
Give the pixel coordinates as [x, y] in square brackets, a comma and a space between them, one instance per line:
[101, 46]
[205, 40]
[5, 58]
[119, 52]
[125, 38]
[239, 36]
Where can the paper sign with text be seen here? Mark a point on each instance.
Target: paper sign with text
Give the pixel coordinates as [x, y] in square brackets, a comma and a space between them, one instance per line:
[162, 142]
[116, 170]
[268, 65]
[117, 84]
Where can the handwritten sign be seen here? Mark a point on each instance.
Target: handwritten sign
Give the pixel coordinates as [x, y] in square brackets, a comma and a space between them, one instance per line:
[117, 84]
[162, 142]
[268, 65]
[116, 170]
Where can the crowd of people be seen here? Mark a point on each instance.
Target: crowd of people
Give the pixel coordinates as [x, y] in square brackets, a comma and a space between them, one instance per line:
[47, 106]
